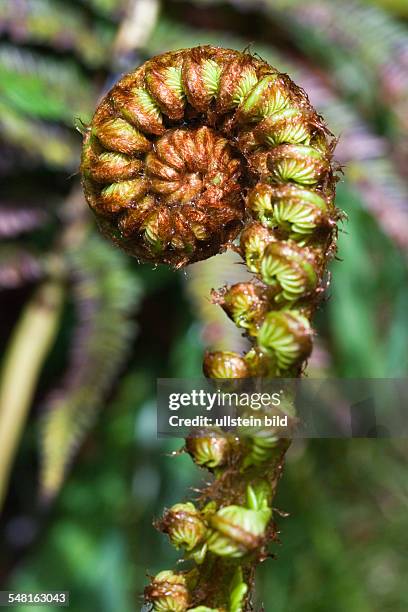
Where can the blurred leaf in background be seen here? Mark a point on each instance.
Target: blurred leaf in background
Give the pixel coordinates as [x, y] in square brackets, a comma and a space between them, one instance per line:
[122, 325]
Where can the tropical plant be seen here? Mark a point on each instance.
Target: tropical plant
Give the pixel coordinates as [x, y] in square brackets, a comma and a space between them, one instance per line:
[179, 154]
[63, 285]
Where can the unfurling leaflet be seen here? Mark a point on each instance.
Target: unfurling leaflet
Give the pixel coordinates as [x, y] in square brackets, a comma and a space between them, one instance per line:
[195, 152]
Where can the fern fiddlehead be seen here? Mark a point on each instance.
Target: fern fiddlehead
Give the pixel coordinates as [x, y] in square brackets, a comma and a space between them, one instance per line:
[184, 155]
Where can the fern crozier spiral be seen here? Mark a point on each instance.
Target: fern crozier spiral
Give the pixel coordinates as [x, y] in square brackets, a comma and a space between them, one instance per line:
[197, 151]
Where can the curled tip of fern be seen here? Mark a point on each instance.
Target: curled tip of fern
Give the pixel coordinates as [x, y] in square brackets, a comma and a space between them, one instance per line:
[168, 592]
[196, 151]
[237, 530]
[184, 525]
[225, 364]
[207, 450]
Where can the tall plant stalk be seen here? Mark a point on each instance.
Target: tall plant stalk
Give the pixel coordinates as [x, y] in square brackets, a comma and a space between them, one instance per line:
[197, 151]
[23, 360]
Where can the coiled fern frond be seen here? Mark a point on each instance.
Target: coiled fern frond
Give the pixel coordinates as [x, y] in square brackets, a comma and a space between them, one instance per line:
[184, 155]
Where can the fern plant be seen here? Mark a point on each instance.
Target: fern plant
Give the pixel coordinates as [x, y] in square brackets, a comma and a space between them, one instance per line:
[183, 155]
[41, 152]
[50, 65]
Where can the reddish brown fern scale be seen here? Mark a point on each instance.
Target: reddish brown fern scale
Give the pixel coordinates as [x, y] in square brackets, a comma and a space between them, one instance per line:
[184, 154]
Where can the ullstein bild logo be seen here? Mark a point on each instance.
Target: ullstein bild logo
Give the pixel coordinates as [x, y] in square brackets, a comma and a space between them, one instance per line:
[305, 408]
[229, 422]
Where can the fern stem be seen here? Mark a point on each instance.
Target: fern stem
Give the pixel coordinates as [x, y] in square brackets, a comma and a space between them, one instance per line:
[193, 149]
[22, 365]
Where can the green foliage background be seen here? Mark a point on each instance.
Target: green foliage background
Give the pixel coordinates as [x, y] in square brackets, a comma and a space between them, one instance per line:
[90, 474]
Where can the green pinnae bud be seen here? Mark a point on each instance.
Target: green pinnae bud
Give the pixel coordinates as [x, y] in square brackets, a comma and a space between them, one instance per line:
[299, 211]
[247, 82]
[211, 74]
[174, 80]
[287, 337]
[260, 204]
[118, 135]
[259, 495]
[270, 95]
[208, 451]
[296, 211]
[239, 589]
[148, 106]
[259, 364]
[109, 167]
[165, 84]
[298, 163]
[245, 303]
[117, 196]
[202, 69]
[287, 126]
[139, 107]
[224, 364]
[261, 449]
[239, 76]
[293, 192]
[184, 525]
[157, 229]
[168, 592]
[254, 240]
[237, 531]
[291, 268]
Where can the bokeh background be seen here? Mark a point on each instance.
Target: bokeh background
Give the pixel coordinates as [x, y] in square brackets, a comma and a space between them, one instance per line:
[85, 331]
